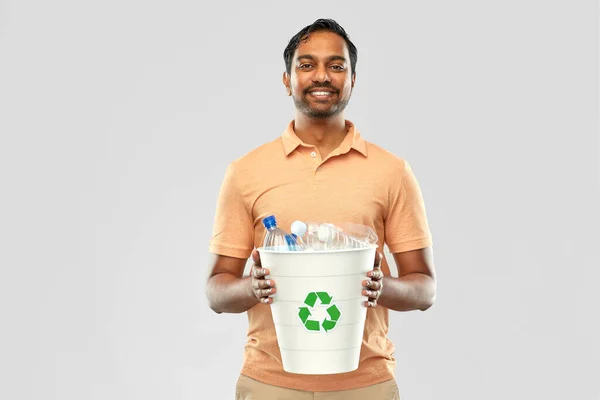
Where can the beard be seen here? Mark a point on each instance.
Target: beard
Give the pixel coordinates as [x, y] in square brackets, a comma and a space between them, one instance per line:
[304, 106]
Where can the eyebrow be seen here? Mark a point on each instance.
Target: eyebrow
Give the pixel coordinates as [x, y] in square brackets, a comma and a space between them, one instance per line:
[330, 58]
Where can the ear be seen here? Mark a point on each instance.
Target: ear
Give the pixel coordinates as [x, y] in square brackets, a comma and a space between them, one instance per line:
[353, 79]
[286, 82]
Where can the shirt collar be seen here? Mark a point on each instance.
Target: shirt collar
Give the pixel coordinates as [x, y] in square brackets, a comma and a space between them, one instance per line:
[353, 140]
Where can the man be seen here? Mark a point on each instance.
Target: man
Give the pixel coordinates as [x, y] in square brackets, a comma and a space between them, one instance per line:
[320, 169]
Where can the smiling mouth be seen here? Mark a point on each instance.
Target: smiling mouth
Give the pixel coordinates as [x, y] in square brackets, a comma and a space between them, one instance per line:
[321, 94]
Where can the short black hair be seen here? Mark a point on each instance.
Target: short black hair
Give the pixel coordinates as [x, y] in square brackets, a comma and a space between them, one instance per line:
[319, 25]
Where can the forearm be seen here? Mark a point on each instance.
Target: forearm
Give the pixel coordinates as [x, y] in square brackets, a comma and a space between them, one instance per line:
[414, 291]
[227, 293]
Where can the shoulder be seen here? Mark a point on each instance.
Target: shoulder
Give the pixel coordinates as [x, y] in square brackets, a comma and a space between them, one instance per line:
[258, 157]
[385, 160]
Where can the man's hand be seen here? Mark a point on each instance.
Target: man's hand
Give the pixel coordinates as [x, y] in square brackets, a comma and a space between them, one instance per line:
[374, 286]
[261, 287]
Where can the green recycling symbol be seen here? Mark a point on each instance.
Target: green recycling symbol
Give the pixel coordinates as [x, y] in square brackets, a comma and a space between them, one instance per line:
[328, 323]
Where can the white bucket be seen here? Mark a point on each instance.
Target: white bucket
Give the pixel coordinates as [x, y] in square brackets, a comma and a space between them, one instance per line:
[328, 284]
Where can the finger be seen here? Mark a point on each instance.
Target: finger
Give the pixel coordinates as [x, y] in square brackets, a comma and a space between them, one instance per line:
[375, 275]
[263, 284]
[371, 294]
[259, 273]
[266, 300]
[265, 292]
[256, 257]
[370, 304]
[378, 258]
[371, 284]
[368, 284]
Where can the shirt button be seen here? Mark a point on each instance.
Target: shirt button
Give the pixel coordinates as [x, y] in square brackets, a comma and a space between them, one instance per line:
[313, 154]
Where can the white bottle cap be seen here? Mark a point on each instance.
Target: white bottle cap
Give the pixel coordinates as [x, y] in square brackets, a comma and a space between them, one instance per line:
[299, 228]
[326, 233]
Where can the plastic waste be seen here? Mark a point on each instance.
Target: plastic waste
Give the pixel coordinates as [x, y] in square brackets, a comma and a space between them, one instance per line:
[327, 236]
[277, 239]
[293, 243]
[308, 233]
[363, 233]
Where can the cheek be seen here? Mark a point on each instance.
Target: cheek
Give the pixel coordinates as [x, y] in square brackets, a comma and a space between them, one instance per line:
[295, 85]
[347, 86]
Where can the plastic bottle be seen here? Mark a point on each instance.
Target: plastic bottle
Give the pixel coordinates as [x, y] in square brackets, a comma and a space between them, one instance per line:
[363, 233]
[277, 239]
[308, 233]
[333, 238]
[326, 236]
[293, 243]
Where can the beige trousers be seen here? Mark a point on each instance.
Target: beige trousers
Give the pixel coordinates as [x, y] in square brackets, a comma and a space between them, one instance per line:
[250, 389]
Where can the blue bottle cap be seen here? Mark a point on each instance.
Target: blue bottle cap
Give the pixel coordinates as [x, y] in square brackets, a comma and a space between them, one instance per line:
[269, 222]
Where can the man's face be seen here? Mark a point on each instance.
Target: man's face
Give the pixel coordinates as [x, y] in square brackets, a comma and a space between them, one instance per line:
[321, 81]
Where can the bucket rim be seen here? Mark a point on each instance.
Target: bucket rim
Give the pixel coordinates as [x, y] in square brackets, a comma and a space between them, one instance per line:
[263, 250]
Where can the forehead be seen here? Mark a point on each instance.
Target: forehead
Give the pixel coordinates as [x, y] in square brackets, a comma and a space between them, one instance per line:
[323, 44]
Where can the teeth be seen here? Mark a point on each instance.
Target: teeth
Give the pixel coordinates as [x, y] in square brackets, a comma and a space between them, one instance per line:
[321, 93]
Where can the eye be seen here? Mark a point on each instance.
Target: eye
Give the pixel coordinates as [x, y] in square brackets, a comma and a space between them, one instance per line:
[304, 66]
[338, 67]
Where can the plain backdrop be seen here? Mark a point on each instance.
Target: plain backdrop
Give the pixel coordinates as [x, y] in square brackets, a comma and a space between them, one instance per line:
[118, 119]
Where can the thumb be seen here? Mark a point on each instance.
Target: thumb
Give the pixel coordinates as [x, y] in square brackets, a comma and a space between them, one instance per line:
[378, 258]
[256, 257]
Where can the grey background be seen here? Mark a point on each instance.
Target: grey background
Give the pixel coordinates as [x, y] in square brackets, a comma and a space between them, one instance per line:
[118, 119]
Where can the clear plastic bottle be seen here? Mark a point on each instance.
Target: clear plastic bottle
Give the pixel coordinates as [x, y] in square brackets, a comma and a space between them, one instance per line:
[326, 236]
[308, 233]
[277, 239]
[299, 241]
[363, 233]
[294, 243]
[333, 238]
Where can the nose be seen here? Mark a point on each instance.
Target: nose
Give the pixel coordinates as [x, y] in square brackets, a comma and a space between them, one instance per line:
[321, 74]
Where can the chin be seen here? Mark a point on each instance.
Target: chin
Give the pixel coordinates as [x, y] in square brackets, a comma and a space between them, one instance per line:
[319, 114]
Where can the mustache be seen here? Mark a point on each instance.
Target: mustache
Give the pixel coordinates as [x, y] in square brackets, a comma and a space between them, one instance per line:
[321, 85]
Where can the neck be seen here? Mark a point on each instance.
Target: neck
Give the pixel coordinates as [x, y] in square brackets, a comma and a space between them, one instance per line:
[326, 133]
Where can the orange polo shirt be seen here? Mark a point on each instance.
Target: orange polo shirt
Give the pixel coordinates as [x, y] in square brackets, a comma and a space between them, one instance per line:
[358, 182]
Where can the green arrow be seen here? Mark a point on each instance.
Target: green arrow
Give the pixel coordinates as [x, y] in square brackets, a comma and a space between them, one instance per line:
[304, 313]
[328, 325]
[312, 325]
[334, 313]
[311, 299]
[324, 297]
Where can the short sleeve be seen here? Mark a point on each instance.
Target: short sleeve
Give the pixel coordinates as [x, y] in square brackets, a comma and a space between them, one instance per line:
[233, 229]
[406, 226]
